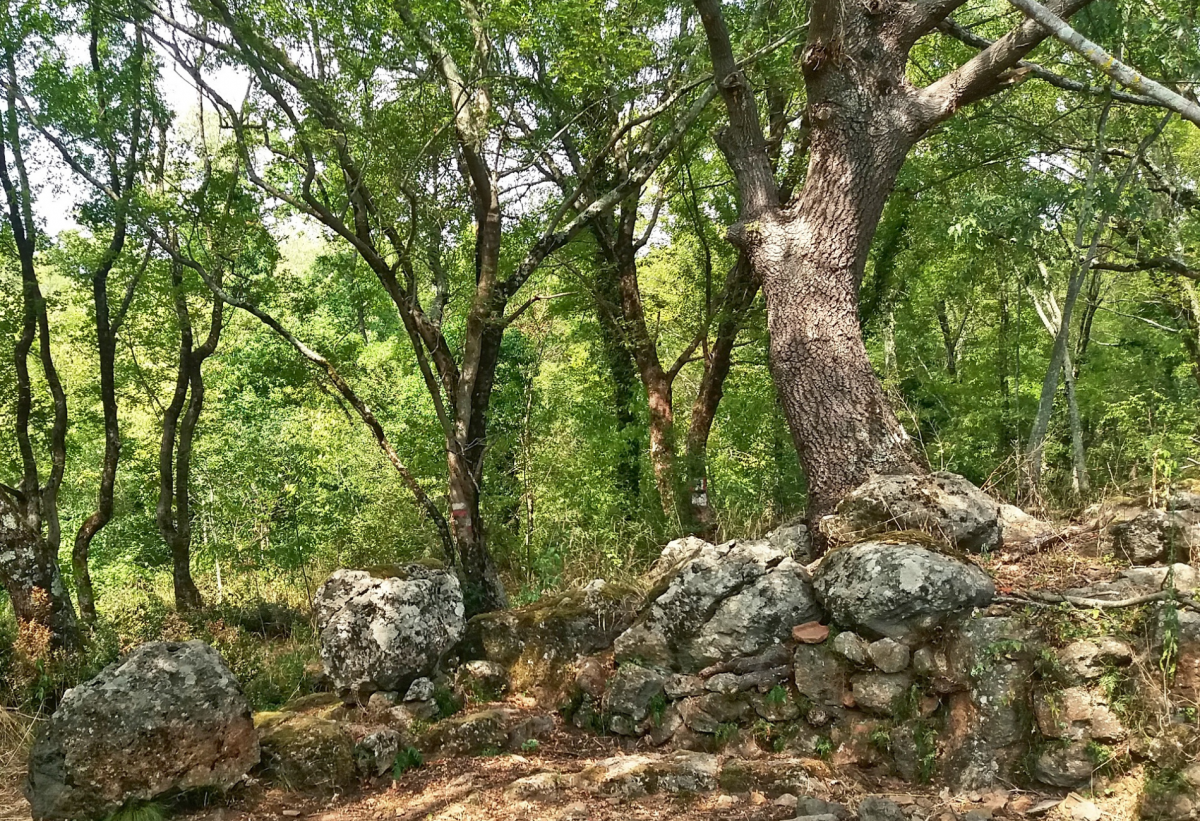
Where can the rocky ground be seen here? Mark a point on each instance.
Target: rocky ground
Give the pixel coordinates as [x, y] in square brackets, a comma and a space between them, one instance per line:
[950, 659]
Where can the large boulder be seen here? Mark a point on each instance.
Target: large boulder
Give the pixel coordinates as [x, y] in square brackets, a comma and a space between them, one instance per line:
[382, 629]
[1153, 536]
[306, 752]
[732, 600]
[540, 646]
[944, 505]
[898, 590]
[168, 718]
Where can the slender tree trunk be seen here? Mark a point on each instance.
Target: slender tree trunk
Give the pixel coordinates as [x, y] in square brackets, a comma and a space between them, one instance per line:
[173, 511]
[949, 341]
[1079, 478]
[624, 376]
[106, 345]
[741, 291]
[28, 561]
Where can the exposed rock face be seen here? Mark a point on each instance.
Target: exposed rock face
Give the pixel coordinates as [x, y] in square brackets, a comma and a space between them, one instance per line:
[169, 717]
[988, 726]
[1153, 535]
[307, 753]
[794, 540]
[880, 692]
[382, 631]
[1018, 527]
[942, 504]
[728, 601]
[1089, 658]
[1069, 767]
[540, 645]
[631, 691]
[898, 590]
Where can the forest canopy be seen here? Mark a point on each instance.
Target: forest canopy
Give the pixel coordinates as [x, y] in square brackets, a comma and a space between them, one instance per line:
[531, 287]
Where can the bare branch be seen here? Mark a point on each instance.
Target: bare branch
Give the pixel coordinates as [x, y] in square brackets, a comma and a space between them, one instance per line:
[1107, 63]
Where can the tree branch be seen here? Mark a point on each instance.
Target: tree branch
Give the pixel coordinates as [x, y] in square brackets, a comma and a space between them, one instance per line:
[1107, 63]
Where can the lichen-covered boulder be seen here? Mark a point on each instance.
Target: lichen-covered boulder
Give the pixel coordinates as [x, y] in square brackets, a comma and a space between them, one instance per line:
[307, 753]
[169, 717]
[728, 601]
[1153, 536]
[898, 590]
[381, 630]
[944, 505]
[540, 645]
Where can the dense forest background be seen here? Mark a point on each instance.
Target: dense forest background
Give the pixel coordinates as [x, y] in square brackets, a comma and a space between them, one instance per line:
[967, 275]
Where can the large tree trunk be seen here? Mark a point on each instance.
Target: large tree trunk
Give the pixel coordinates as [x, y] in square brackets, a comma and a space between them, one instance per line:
[811, 260]
[624, 375]
[865, 115]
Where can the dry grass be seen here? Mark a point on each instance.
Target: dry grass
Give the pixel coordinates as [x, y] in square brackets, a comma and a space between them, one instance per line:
[16, 736]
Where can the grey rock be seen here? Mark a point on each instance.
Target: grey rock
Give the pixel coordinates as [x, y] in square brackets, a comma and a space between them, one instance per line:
[705, 714]
[1138, 581]
[534, 728]
[820, 676]
[679, 686]
[383, 701]
[169, 717]
[933, 664]
[728, 601]
[880, 692]
[632, 690]
[1152, 535]
[420, 690]
[485, 680]
[631, 776]
[723, 683]
[1069, 767]
[675, 555]
[1018, 527]
[943, 504]
[772, 707]
[851, 646]
[376, 752]
[1089, 658]
[380, 632]
[793, 540]
[876, 808]
[470, 734]
[993, 658]
[899, 590]
[817, 806]
[889, 655]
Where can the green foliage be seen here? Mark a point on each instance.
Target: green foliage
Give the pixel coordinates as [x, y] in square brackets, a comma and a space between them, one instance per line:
[530, 745]
[823, 747]
[409, 758]
[139, 811]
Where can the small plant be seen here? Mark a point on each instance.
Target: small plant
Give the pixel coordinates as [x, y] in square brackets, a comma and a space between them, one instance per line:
[530, 745]
[447, 702]
[1161, 782]
[823, 747]
[658, 708]
[408, 759]
[139, 811]
[925, 740]
[777, 697]
[725, 733]
[881, 739]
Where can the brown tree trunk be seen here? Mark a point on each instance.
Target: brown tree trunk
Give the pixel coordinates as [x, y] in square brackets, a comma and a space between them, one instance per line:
[622, 371]
[28, 561]
[865, 115]
[811, 264]
[173, 511]
[29, 572]
[741, 290]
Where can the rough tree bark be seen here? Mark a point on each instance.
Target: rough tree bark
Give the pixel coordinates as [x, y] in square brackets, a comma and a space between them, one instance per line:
[865, 115]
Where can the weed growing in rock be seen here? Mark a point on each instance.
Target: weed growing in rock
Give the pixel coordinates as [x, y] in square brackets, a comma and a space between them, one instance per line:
[409, 758]
[530, 745]
[823, 748]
